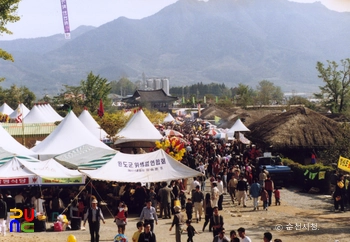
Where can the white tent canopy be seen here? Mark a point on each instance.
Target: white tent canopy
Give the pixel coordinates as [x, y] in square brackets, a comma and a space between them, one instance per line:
[91, 124]
[69, 134]
[150, 167]
[80, 155]
[52, 114]
[237, 126]
[20, 109]
[139, 128]
[6, 109]
[35, 116]
[9, 144]
[168, 118]
[20, 171]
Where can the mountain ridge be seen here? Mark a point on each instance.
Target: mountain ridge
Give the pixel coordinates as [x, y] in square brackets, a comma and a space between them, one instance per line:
[222, 41]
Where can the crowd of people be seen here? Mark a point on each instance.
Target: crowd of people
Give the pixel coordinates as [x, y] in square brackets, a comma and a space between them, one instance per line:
[229, 168]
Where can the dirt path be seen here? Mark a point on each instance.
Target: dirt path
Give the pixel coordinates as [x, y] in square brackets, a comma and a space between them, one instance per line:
[309, 216]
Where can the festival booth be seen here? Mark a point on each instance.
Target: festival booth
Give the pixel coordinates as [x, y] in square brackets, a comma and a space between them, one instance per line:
[68, 135]
[139, 132]
[238, 126]
[74, 158]
[10, 146]
[27, 171]
[155, 166]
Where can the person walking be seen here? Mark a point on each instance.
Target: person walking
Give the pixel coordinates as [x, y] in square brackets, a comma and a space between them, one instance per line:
[242, 236]
[264, 198]
[178, 221]
[165, 194]
[339, 194]
[208, 209]
[147, 235]
[215, 193]
[198, 198]
[191, 231]
[232, 184]
[3, 215]
[121, 216]
[217, 221]
[242, 188]
[269, 187]
[220, 186]
[93, 215]
[221, 236]
[254, 191]
[11, 204]
[149, 214]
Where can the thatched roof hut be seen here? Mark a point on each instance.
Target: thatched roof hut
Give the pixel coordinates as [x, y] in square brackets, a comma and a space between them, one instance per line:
[212, 111]
[299, 128]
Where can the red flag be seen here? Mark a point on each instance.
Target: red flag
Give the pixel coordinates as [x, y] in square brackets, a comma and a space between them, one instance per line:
[100, 110]
[19, 116]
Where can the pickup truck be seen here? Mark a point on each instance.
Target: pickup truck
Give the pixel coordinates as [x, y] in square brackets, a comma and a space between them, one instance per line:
[280, 174]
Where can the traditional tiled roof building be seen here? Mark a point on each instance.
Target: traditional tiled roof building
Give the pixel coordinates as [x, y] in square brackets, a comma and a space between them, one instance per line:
[153, 99]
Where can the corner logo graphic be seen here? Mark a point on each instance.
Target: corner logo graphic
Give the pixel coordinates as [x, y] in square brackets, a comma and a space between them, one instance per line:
[26, 226]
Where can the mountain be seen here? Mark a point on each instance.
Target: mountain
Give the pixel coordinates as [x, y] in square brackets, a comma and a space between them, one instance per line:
[190, 41]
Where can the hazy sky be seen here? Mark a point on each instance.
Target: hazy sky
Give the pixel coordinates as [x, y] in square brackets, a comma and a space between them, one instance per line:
[40, 18]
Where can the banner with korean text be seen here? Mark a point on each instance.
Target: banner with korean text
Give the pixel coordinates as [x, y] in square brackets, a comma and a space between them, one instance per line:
[65, 19]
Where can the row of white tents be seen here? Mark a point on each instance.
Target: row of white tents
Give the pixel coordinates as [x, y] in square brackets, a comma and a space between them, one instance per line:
[74, 145]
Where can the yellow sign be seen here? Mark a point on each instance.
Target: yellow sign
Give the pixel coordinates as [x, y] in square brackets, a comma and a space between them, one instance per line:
[78, 180]
[344, 164]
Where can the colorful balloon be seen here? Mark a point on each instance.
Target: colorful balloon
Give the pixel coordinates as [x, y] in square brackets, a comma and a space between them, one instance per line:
[71, 238]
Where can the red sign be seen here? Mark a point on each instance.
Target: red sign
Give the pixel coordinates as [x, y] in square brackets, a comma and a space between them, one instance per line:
[14, 181]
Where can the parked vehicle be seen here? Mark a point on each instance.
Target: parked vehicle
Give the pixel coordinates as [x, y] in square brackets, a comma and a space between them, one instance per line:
[280, 174]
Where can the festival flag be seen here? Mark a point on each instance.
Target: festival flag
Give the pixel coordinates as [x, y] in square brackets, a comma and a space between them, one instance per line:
[19, 116]
[217, 119]
[100, 110]
[65, 19]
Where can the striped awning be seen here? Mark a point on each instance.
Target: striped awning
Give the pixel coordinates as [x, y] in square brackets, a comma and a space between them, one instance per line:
[26, 158]
[97, 163]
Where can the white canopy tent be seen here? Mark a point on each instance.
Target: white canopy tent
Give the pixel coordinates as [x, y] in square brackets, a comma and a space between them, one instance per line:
[6, 109]
[139, 128]
[237, 126]
[22, 171]
[50, 114]
[91, 124]
[150, 167]
[35, 116]
[10, 145]
[168, 118]
[20, 109]
[69, 134]
[80, 155]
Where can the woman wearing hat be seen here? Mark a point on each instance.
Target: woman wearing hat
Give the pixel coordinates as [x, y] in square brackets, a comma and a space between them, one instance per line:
[94, 215]
[178, 221]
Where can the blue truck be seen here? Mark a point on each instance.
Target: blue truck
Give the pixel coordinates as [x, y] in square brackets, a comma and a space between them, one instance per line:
[280, 174]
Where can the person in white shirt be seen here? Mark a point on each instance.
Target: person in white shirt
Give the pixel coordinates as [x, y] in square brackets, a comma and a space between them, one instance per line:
[193, 185]
[221, 192]
[242, 237]
[215, 194]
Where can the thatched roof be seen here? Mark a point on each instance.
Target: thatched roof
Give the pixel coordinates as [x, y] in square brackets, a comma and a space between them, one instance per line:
[212, 111]
[296, 128]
